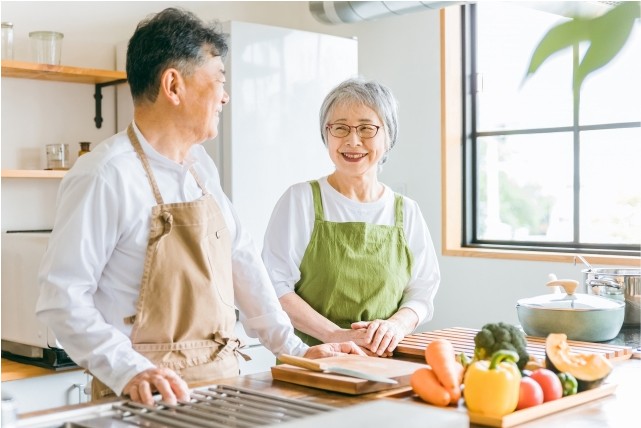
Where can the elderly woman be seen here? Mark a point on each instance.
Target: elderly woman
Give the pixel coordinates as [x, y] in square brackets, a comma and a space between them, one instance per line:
[349, 258]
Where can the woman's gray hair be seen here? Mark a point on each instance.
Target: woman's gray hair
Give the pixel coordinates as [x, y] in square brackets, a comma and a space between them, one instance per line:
[369, 93]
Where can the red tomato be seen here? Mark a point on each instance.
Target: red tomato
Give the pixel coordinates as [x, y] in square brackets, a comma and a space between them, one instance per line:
[530, 394]
[550, 384]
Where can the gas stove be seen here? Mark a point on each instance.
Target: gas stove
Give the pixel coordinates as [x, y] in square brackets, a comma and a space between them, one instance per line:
[222, 406]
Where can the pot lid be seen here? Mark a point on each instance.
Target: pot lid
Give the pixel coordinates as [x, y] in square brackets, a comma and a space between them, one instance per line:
[562, 301]
[569, 300]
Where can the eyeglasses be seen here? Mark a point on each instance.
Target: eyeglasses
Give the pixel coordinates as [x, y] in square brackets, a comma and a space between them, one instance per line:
[342, 130]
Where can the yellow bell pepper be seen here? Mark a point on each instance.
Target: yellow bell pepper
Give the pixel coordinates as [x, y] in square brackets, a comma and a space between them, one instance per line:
[492, 387]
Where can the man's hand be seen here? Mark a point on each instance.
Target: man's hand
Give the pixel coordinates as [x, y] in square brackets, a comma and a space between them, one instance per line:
[382, 335]
[333, 350]
[163, 380]
[369, 353]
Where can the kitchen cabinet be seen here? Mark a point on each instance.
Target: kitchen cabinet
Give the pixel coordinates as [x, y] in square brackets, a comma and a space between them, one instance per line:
[55, 389]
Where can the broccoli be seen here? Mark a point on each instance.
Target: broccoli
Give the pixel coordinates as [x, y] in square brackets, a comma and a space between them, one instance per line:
[496, 336]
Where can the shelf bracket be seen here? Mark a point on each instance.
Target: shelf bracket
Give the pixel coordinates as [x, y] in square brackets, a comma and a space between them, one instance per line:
[98, 97]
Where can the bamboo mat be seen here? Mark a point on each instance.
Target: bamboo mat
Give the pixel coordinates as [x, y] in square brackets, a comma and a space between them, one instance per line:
[463, 341]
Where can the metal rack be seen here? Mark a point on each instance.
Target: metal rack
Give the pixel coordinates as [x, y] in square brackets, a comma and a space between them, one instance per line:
[220, 407]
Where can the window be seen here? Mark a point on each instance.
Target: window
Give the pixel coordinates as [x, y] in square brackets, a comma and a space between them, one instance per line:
[541, 173]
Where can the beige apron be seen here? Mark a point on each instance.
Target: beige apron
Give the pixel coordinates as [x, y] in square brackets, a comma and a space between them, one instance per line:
[185, 315]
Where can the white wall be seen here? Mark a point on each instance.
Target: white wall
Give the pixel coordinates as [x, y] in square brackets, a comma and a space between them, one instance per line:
[402, 52]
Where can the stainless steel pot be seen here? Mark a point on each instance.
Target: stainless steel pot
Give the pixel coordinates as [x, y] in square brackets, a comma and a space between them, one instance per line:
[623, 285]
[580, 316]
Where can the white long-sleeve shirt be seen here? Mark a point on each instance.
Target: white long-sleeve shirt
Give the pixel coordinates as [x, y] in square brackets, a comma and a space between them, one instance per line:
[91, 272]
[292, 222]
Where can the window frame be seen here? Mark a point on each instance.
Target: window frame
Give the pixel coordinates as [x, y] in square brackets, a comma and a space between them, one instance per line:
[458, 160]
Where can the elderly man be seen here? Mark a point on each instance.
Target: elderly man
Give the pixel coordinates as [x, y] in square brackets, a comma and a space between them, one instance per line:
[147, 256]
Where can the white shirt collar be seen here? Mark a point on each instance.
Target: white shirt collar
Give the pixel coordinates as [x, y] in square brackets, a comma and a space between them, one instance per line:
[151, 153]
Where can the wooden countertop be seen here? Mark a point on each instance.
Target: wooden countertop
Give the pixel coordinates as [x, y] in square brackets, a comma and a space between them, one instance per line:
[12, 370]
[616, 410]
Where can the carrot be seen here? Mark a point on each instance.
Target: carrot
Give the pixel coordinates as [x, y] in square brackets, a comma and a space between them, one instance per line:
[440, 356]
[461, 372]
[425, 384]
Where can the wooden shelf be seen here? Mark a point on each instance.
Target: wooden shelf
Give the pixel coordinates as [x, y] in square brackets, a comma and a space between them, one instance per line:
[59, 73]
[32, 173]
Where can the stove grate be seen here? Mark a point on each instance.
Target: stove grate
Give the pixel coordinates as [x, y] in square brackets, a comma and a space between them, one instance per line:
[221, 406]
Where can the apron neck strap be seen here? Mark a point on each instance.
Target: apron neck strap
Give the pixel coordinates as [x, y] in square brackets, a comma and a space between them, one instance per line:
[145, 163]
[398, 202]
[320, 216]
[150, 175]
[197, 178]
[318, 202]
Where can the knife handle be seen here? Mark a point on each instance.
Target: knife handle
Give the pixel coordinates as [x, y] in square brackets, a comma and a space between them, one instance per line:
[305, 363]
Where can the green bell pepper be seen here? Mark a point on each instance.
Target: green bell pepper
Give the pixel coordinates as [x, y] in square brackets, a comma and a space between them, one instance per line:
[569, 384]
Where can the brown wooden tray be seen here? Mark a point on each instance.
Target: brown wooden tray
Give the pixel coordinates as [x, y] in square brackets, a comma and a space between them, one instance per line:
[463, 341]
[516, 418]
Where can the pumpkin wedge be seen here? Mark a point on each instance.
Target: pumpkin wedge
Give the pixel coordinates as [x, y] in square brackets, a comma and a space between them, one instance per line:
[590, 370]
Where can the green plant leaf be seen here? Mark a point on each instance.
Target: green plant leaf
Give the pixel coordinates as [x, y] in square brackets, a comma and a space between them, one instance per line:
[560, 37]
[607, 34]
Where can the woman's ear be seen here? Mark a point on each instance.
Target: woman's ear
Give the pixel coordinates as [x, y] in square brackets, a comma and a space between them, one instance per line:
[171, 86]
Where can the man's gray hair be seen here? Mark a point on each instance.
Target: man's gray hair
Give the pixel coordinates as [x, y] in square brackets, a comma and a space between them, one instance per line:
[369, 93]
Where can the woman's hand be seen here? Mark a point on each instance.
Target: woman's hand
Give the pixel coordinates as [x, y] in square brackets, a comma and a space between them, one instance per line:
[359, 337]
[333, 350]
[382, 335]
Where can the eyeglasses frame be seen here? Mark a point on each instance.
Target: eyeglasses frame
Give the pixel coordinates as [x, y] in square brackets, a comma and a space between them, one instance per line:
[356, 128]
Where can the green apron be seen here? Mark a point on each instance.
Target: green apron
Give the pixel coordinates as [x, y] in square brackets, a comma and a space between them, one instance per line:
[354, 271]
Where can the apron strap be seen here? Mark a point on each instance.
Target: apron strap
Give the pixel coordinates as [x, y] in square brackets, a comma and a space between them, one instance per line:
[318, 202]
[145, 163]
[200, 183]
[398, 199]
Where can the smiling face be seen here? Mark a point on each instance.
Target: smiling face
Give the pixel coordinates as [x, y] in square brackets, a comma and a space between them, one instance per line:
[353, 155]
[204, 98]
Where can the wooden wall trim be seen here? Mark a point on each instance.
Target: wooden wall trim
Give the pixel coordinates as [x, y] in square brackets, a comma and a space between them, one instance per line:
[451, 169]
[451, 161]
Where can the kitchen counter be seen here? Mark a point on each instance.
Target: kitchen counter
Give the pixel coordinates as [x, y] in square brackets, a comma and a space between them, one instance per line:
[12, 370]
[628, 336]
[618, 410]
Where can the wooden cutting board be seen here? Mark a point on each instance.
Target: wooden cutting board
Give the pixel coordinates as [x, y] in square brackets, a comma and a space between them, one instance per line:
[400, 371]
[463, 341]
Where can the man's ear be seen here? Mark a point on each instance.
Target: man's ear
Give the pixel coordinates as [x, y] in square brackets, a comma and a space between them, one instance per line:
[171, 86]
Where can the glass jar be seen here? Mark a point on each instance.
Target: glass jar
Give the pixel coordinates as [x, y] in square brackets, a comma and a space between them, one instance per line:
[46, 47]
[84, 148]
[58, 156]
[7, 41]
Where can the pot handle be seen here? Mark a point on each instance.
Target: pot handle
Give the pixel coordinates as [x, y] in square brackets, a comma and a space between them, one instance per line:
[569, 285]
[603, 281]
